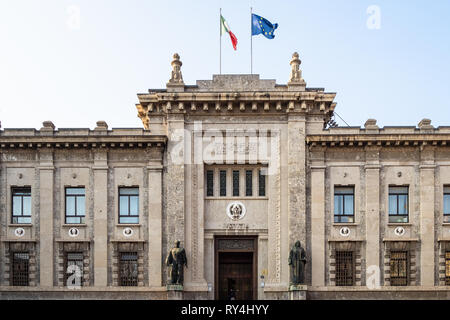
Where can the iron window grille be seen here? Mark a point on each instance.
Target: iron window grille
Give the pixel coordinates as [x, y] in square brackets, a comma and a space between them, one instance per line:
[344, 204]
[223, 183]
[345, 268]
[128, 269]
[447, 204]
[21, 205]
[20, 269]
[398, 204]
[235, 183]
[447, 268]
[75, 205]
[128, 205]
[261, 183]
[73, 264]
[399, 264]
[209, 183]
[248, 183]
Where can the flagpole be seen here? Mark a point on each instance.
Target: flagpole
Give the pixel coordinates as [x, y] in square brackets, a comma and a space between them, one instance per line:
[251, 42]
[220, 36]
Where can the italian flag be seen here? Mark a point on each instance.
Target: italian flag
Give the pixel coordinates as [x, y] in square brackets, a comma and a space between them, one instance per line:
[225, 28]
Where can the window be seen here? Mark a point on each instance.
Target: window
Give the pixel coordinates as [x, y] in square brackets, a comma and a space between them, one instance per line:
[261, 183]
[447, 204]
[398, 204]
[223, 183]
[128, 269]
[20, 269]
[344, 268]
[209, 183]
[344, 205]
[73, 264]
[128, 205]
[75, 205]
[248, 183]
[21, 205]
[447, 268]
[235, 183]
[399, 268]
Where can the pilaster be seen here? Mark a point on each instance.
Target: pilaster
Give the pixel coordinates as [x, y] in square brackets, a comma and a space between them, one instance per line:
[155, 253]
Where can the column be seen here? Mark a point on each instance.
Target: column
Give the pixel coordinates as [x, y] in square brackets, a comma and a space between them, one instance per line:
[372, 191]
[318, 240]
[100, 170]
[427, 254]
[155, 253]
[46, 251]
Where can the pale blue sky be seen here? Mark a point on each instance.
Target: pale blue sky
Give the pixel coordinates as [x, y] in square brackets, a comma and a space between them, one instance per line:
[49, 70]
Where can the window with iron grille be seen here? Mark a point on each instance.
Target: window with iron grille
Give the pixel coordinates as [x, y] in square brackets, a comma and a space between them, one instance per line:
[446, 204]
[128, 205]
[21, 205]
[73, 265]
[20, 269]
[223, 183]
[235, 183]
[398, 204]
[248, 183]
[399, 268]
[344, 199]
[261, 183]
[345, 268]
[75, 205]
[209, 183]
[447, 268]
[128, 269]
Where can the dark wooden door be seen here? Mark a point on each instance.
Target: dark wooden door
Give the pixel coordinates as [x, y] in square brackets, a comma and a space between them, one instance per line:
[235, 278]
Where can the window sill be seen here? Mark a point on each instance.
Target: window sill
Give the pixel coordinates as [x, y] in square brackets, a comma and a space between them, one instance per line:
[74, 225]
[399, 224]
[16, 225]
[128, 225]
[342, 224]
[237, 198]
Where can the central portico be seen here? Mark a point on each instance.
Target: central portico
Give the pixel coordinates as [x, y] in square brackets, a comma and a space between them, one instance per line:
[236, 176]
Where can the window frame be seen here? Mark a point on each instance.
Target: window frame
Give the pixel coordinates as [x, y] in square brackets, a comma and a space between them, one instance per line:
[82, 218]
[447, 268]
[397, 194]
[66, 265]
[26, 274]
[399, 280]
[262, 178]
[22, 215]
[249, 182]
[128, 196]
[446, 215]
[236, 182]
[125, 281]
[210, 183]
[345, 278]
[223, 182]
[337, 218]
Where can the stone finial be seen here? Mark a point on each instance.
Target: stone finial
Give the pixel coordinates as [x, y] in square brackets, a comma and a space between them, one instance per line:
[296, 74]
[48, 126]
[425, 124]
[371, 124]
[101, 125]
[177, 77]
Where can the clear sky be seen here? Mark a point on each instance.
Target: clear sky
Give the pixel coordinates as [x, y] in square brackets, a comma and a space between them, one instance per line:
[78, 61]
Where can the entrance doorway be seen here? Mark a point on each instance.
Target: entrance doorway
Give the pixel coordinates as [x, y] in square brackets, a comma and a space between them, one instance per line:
[235, 274]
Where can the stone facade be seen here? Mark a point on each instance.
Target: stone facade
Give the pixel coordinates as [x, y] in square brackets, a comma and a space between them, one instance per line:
[236, 141]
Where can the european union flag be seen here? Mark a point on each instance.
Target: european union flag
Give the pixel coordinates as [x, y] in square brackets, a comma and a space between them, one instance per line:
[261, 25]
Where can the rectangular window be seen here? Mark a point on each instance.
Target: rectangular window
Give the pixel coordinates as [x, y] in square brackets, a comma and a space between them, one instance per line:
[235, 183]
[248, 183]
[75, 205]
[73, 268]
[446, 204]
[398, 204]
[128, 269]
[447, 268]
[128, 205]
[399, 268]
[209, 183]
[344, 268]
[21, 205]
[344, 204]
[223, 183]
[20, 269]
[262, 182]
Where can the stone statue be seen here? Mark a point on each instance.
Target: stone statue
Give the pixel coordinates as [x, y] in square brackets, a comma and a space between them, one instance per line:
[177, 260]
[297, 261]
[177, 77]
[296, 74]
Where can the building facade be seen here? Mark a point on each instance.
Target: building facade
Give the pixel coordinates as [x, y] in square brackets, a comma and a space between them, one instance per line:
[238, 169]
